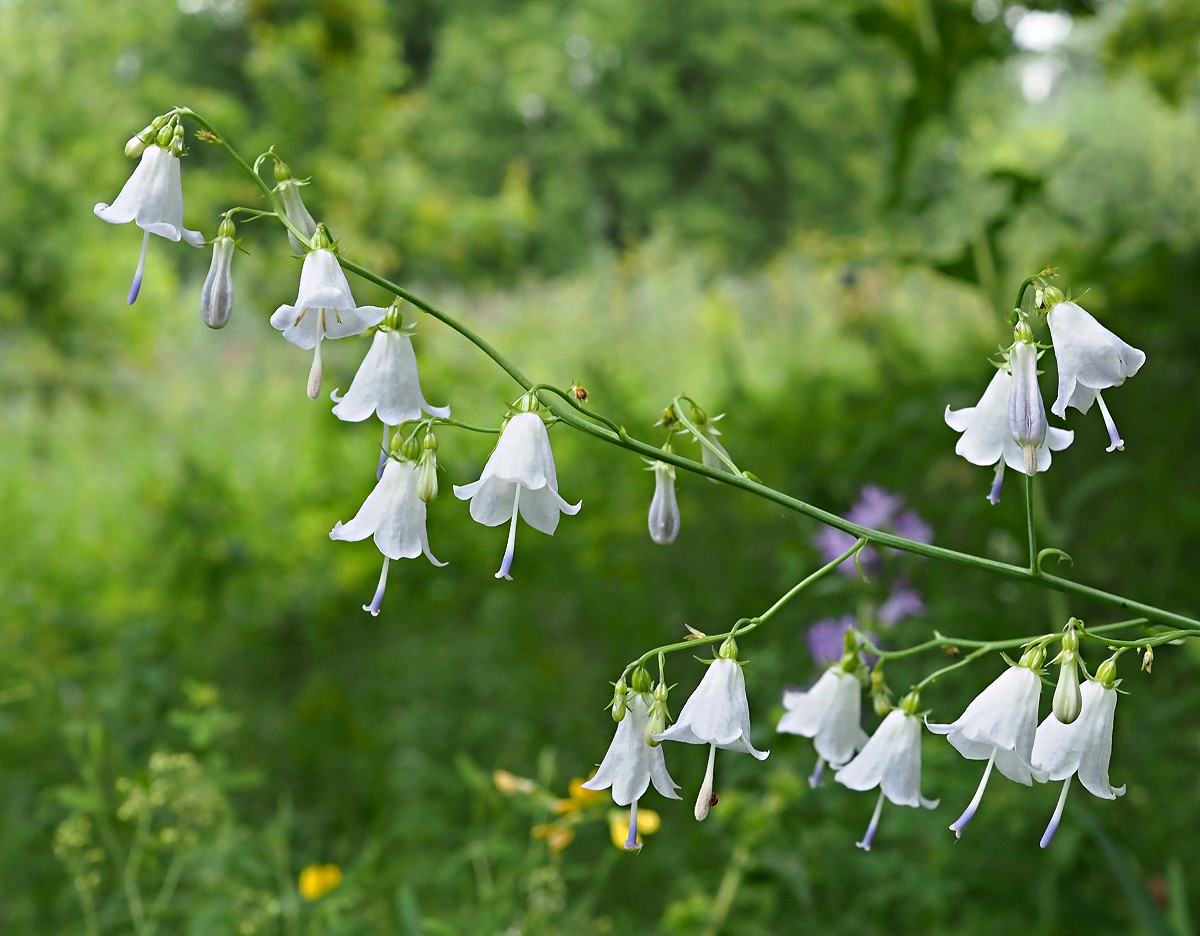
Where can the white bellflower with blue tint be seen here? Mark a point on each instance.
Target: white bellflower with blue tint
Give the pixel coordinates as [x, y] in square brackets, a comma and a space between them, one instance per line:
[1083, 748]
[518, 480]
[324, 308]
[153, 199]
[890, 760]
[631, 763]
[999, 726]
[831, 714]
[1090, 359]
[394, 516]
[716, 714]
[387, 383]
[987, 437]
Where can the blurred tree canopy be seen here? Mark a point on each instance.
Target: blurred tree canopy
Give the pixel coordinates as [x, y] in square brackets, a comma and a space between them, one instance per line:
[810, 215]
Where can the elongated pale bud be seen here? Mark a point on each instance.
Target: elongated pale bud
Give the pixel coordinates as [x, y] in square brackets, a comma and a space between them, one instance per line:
[1026, 411]
[1068, 699]
[216, 298]
[427, 480]
[288, 190]
[664, 507]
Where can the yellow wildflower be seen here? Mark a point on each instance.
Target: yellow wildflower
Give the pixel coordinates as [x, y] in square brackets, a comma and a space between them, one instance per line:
[318, 880]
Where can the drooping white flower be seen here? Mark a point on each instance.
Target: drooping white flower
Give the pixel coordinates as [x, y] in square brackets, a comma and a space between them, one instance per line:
[395, 516]
[518, 479]
[987, 437]
[387, 383]
[153, 199]
[664, 506]
[1090, 359]
[999, 726]
[716, 714]
[216, 298]
[324, 308]
[890, 760]
[631, 763]
[831, 714]
[1083, 748]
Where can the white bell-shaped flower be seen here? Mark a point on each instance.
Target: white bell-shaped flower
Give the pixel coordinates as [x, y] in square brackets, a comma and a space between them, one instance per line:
[663, 519]
[518, 480]
[890, 760]
[324, 308]
[831, 714]
[1083, 748]
[987, 437]
[716, 714]
[631, 763]
[387, 383]
[999, 727]
[153, 199]
[395, 516]
[1090, 359]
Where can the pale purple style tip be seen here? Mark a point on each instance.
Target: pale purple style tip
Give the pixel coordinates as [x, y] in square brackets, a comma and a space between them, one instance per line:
[631, 842]
[867, 839]
[1048, 835]
[969, 813]
[814, 779]
[377, 601]
[511, 548]
[997, 482]
[383, 454]
[136, 286]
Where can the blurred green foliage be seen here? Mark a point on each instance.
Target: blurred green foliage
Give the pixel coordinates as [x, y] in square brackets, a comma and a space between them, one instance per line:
[808, 215]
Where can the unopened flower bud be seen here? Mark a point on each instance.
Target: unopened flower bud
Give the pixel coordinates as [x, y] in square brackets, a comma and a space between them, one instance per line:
[664, 507]
[427, 480]
[657, 722]
[1034, 656]
[1026, 411]
[619, 705]
[641, 680]
[728, 649]
[911, 703]
[1106, 673]
[1068, 700]
[410, 449]
[136, 145]
[288, 190]
[164, 136]
[216, 298]
[1147, 659]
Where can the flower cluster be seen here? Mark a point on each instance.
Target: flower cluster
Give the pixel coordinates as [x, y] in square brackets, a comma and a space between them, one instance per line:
[1008, 426]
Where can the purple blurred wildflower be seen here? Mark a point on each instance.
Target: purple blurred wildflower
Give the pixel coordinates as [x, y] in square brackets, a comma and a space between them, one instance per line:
[826, 639]
[878, 510]
[902, 601]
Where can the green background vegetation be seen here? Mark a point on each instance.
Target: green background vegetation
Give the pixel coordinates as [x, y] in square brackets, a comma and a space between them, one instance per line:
[808, 215]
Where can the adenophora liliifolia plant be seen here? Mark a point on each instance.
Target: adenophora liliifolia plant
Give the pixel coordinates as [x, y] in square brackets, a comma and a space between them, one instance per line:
[1008, 428]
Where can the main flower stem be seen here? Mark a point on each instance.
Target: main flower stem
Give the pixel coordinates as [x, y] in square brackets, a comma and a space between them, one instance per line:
[573, 414]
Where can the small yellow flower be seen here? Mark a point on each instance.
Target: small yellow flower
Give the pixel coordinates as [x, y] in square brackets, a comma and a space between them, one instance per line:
[648, 822]
[510, 784]
[318, 880]
[557, 835]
